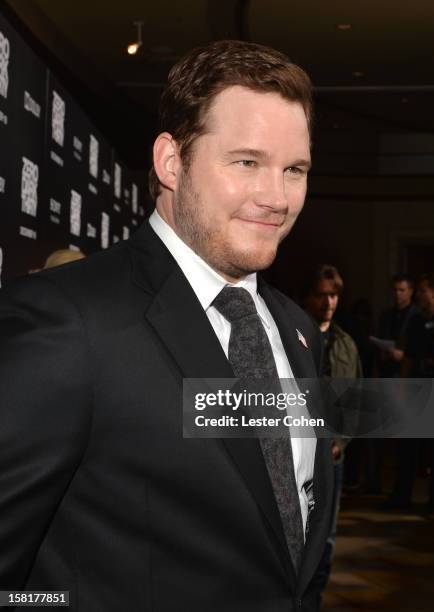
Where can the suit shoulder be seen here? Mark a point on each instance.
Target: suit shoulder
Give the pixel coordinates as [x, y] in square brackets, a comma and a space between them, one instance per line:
[92, 272]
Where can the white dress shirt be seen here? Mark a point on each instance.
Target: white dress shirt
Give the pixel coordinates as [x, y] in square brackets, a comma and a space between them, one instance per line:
[207, 284]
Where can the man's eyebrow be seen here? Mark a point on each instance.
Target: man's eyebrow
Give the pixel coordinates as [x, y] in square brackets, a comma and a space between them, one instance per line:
[305, 163]
[249, 153]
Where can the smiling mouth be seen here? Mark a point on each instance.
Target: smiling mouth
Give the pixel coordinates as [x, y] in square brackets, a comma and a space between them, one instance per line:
[261, 223]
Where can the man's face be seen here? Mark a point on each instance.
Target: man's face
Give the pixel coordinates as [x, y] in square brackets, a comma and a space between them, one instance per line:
[322, 302]
[425, 296]
[246, 182]
[402, 294]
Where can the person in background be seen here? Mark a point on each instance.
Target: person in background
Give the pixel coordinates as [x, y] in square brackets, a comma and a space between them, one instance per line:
[61, 257]
[58, 258]
[393, 325]
[418, 362]
[323, 287]
[419, 356]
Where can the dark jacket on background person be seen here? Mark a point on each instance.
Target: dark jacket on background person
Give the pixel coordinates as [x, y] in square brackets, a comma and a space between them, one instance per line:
[394, 325]
[420, 345]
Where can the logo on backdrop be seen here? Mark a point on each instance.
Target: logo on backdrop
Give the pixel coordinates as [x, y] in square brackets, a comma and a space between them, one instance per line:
[117, 181]
[75, 216]
[134, 198]
[90, 231]
[58, 119]
[106, 178]
[31, 105]
[1, 265]
[4, 61]
[93, 156]
[105, 226]
[29, 187]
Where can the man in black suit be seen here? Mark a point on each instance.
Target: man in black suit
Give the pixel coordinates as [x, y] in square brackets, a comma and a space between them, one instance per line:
[393, 325]
[100, 494]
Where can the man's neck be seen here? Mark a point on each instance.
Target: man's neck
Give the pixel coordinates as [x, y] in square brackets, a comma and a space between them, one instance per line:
[324, 326]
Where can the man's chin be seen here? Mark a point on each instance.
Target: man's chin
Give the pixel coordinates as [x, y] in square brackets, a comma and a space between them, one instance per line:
[257, 259]
[241, 265]
[326, 319]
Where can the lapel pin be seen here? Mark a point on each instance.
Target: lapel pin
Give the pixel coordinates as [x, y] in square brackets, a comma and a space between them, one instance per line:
[301, 338]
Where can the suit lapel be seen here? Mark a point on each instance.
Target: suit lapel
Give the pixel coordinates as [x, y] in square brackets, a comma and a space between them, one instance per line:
[178, 318]
[299, 357]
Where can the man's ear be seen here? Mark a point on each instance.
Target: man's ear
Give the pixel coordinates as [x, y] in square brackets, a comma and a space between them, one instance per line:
[167, 162]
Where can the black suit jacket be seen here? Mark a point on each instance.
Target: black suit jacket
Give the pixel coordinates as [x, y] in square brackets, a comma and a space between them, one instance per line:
[99, 492]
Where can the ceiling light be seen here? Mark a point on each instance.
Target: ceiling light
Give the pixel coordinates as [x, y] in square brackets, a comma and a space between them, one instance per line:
[135, 46]
[132, 49]
[344, 26]
[358, 73]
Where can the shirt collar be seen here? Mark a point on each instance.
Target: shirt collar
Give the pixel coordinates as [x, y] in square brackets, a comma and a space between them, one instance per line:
[205, 282]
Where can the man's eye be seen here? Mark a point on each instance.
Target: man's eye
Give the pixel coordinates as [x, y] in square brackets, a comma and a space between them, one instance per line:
[295, 170]
[246, 163]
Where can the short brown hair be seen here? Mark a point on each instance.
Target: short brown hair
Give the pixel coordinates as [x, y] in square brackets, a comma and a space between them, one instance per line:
[206, 71]
[403, 277]
[319, 273]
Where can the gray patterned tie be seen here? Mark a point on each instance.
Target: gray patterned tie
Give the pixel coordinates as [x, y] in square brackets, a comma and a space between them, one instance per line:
[251, 356]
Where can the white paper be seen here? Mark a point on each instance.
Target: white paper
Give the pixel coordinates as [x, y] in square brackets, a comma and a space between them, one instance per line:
[384, 345]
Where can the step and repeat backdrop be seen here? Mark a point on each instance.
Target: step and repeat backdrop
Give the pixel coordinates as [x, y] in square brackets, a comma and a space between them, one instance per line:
[61, 183]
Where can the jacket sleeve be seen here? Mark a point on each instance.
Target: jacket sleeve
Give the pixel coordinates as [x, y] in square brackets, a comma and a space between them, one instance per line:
[45, 408]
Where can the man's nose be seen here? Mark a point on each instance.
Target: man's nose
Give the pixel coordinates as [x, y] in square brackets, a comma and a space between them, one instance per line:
[272, 191]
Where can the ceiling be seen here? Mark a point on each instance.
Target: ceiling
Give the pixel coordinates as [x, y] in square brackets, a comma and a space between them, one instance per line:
[371, 62]
[380, 69]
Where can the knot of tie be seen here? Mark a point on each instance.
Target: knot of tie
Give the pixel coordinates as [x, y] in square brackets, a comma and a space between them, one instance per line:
[235, 303]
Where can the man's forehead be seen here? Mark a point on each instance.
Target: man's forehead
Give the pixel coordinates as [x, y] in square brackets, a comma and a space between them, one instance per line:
[245, 106]
[322, 291]
[325, 287]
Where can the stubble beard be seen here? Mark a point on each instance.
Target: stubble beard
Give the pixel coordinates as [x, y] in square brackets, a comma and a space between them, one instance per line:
[208, 242]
